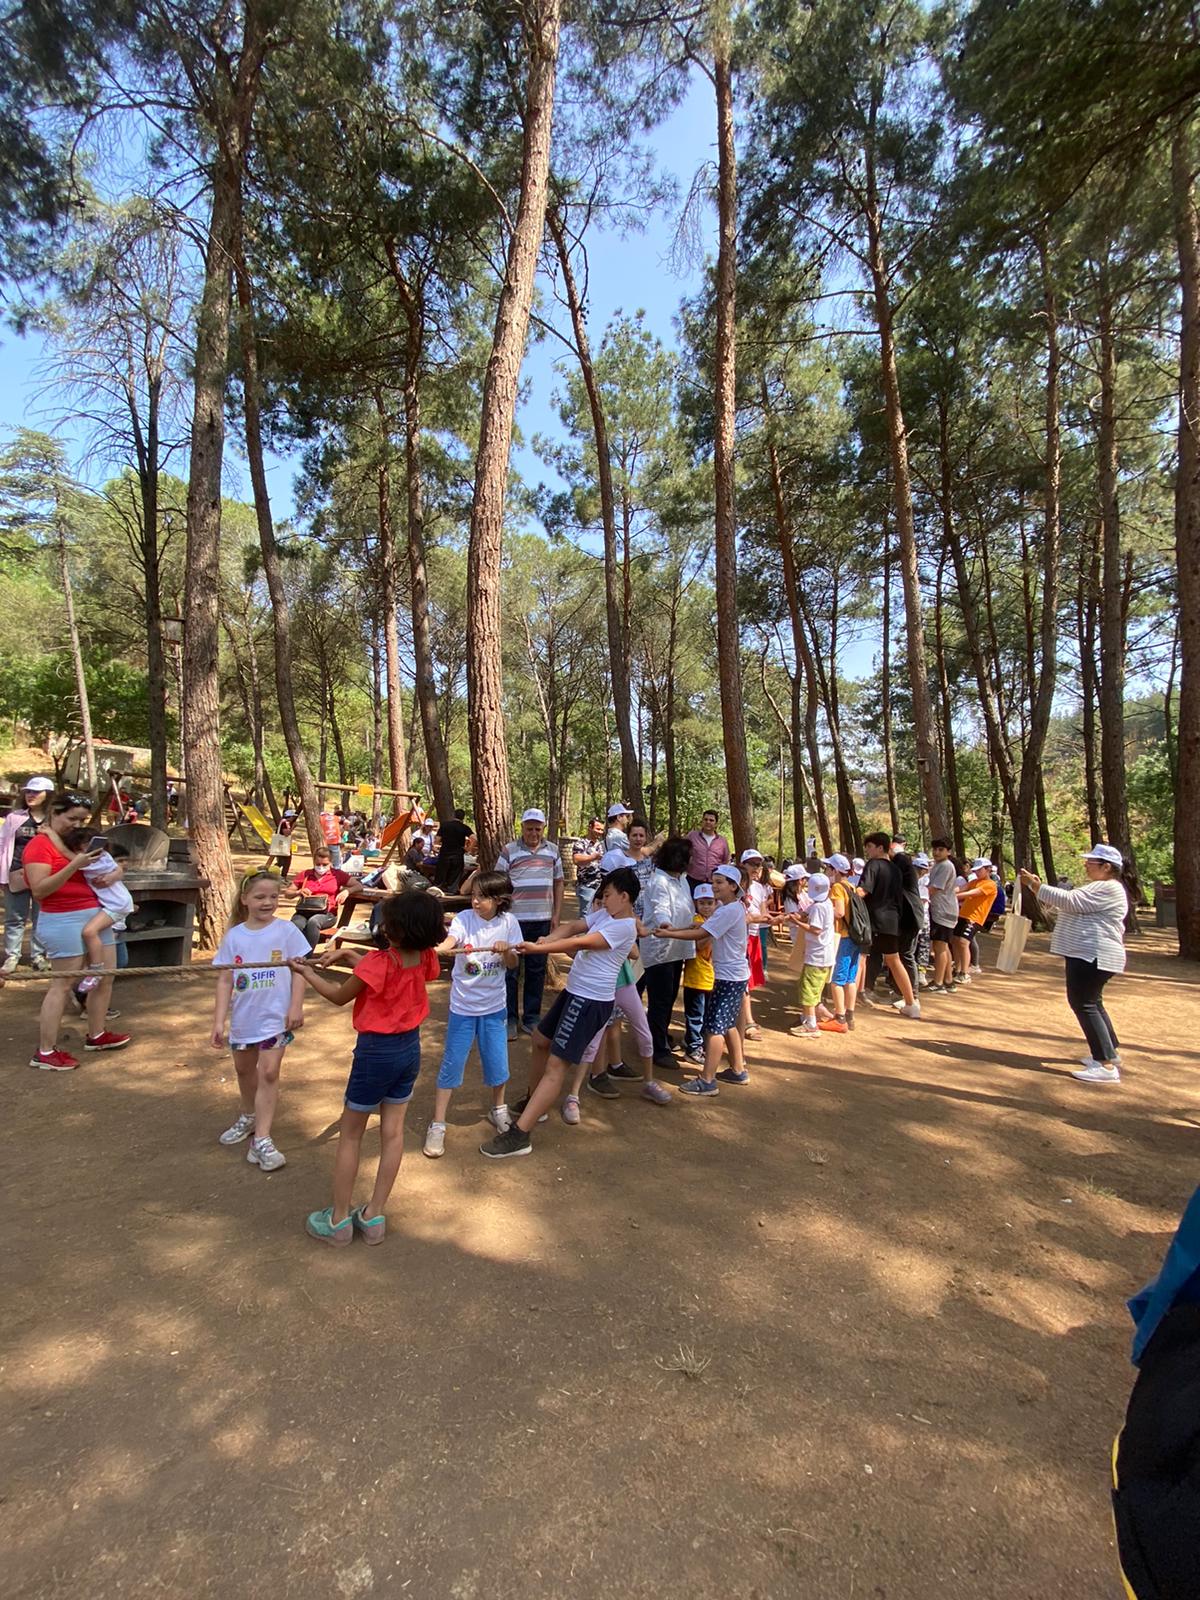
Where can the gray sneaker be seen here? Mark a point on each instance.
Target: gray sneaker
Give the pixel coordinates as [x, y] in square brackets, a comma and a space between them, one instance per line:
[435, 1140]
[500, 1118]
[242, 1129]
[10, 964]
[262, 1153]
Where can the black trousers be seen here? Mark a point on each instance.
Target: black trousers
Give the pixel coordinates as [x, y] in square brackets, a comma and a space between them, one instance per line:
[662, 989]
[1085, 996]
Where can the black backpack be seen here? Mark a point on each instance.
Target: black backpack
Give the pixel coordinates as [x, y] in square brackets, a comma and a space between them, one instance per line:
[858, 919]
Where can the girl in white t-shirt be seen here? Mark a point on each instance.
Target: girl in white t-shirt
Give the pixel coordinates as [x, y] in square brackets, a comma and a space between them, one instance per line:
[484, 941]
[725, 929]
[263, 1006]
[758, 921]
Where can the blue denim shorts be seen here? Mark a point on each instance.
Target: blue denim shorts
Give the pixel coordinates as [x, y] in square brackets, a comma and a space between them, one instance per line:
[384, 1070]
[61, 932]
[491, 1035]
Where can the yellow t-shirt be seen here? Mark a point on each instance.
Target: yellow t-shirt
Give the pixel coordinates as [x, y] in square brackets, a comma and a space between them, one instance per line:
[698, 972]
[840, 897]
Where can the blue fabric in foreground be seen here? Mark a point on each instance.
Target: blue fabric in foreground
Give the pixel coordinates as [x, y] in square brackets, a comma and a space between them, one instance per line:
[1178, 1280]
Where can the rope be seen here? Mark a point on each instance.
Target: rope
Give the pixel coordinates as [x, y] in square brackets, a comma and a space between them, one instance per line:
[190, 969]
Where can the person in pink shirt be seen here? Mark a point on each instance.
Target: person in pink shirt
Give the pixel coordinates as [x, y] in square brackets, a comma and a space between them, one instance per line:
[710, 850]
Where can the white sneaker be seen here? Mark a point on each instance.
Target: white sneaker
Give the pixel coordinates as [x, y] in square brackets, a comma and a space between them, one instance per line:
[912, 1012]
[242, 1129]
[435, 1139]
[11, 963]
[262, 1153]
[1098, 1073]
[962, 977]
[1090, 1061]
[500, 1118]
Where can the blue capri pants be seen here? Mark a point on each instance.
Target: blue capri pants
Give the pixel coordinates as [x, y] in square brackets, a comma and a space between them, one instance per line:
[490, 1033]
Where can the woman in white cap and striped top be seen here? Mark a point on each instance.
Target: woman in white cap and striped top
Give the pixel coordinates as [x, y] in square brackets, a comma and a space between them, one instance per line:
[18, 828]
[1090, 936]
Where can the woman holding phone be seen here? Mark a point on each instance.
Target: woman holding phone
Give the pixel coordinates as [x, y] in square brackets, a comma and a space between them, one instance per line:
[66, 903]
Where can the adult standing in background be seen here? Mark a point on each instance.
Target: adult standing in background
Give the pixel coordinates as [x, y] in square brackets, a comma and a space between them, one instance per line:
[667, 901]
[1090, 936]
[616, 835]
[535, 868]
[452, 843]
[20, 907]
[710, 850]
[586, 854]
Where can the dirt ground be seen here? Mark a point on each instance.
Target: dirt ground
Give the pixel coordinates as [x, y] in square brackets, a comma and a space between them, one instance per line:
[856, 1330]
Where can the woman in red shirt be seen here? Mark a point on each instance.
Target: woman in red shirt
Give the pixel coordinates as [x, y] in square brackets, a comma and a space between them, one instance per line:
[322, 881]
[66, 901]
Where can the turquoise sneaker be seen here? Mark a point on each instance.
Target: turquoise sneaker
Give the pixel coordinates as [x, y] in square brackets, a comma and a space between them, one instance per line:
[320, 1225]
[371, 1228]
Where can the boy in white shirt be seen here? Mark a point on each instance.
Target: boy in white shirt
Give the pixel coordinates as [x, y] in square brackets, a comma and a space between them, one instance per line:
[599, 942]
[820, 949]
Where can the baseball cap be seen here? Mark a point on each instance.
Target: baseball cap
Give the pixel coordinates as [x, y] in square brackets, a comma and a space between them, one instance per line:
[795, 872]
[534, 815]
[751, 855]
[858, 863]
[612, 859]
[1105, 852]
[730, 872]
[619, 809]
[818, 886]
[920, 859]
[980, 864]
[703, 891]
[38, 786]
[838, 861]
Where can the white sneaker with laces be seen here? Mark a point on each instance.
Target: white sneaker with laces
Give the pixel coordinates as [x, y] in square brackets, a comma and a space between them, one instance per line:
[435, 1140]
[242, 1129]
[1090, 1061]
[10, 964]
[1098, 1073]
[912, 1012]
[262, 1153]
[500, 1118]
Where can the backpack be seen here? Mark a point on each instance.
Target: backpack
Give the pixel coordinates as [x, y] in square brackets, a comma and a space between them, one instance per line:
[859, 921]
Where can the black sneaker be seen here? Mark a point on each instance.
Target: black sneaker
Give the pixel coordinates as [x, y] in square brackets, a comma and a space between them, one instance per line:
[515, 1111]
[627, 1074]
[666, 1063]
[602, 1085]
[512, 1143]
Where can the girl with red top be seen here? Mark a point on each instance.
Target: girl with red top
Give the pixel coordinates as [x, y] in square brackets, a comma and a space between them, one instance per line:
[387, 988]
[66, 902]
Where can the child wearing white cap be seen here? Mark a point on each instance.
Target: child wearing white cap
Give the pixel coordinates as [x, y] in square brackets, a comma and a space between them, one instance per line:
[725, 929]
[820, 949]
[974, 903]
[843, 981]
[698, 980]
[758, 921]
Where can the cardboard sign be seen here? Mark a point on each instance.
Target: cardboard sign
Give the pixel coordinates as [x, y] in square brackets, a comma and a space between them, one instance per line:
[257, 821]
[365, 793]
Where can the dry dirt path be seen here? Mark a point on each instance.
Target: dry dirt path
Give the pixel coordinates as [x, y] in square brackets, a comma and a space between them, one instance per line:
[853, 1331]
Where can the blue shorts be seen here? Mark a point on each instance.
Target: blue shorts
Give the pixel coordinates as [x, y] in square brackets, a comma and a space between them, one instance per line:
[723, 1005]
[384, 1070]
[845, 968]
[571, 1024]
[61, 932]
[491, 1035]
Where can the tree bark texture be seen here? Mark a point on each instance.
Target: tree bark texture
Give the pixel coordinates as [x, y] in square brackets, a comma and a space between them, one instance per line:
[147, 450]
[390, 601]
[491, 788]
[1112, 593]
[737, 765]
[1187, 544]
[235, 94]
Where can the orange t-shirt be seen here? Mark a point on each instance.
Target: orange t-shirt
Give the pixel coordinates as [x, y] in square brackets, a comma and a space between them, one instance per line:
[331, 830]
[395, 1000]
[977, 901]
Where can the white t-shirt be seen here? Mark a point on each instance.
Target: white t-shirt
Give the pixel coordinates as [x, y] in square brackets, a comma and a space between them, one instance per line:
[593, 974]
[820, 949]
[261, 997]
[477, 981]
[116, 899]
[727, 927]
[758, 897]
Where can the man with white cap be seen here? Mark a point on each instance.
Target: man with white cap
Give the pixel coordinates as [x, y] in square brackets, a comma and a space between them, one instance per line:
[974, 903]
[535, 867]
[20, 907]
[619, 817]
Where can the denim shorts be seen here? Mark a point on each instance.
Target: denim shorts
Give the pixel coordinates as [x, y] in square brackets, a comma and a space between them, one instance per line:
[384, 1070]
[845, 969]
[490, 1033]
[571, 1024]
[61, 932]
[723, 1004]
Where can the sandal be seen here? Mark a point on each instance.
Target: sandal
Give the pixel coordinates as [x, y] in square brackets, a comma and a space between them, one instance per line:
[755, 1032]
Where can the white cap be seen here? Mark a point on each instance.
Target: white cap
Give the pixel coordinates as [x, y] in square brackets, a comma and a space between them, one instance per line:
[612, 859]
[818, 886]
[839, 862]
[534, 815]
[619, 809]
[795, 872]
[38, 786]
[751, 855]
[703, 891]
[920, 859]
[980, 864]
[858, 863]
[1105, 852]
[731, 872]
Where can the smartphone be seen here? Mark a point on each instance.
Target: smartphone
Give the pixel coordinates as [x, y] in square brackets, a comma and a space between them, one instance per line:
[97, 843]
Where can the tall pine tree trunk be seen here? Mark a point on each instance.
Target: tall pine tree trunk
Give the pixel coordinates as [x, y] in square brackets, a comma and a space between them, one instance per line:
[281, 629]
[491, 787]
[1187, 542]
[885, 686]
[231, 114]
[729, 651]
[147, 448]
[390, 601]
[1112, 592]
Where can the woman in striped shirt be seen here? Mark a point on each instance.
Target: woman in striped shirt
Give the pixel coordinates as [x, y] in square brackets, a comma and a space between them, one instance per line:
[1090, 936]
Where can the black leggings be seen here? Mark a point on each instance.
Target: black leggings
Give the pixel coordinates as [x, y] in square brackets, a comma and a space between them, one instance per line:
[1085, 996]
[662, 989]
